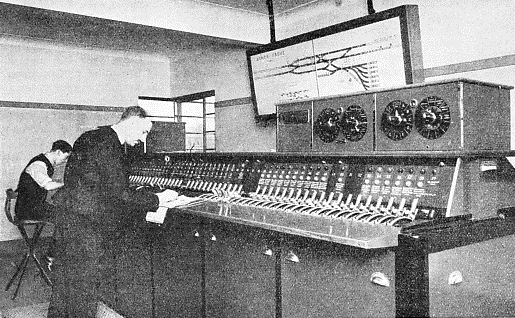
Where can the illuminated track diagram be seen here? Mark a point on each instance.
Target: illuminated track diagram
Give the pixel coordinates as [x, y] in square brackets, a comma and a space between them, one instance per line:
[328, 64]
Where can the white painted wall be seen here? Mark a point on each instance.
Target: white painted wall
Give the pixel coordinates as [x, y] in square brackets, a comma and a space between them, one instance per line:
[462, 30]
[34, 70]
[223, 69]
[236, 131]
[181, 15]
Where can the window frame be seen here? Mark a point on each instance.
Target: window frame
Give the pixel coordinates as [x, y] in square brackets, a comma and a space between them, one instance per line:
[192, 98]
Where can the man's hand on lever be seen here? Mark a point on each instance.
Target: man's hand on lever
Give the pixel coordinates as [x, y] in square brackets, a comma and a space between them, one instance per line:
[167, 196]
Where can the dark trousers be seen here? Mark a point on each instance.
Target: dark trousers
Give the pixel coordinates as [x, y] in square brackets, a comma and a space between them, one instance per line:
[85, 270]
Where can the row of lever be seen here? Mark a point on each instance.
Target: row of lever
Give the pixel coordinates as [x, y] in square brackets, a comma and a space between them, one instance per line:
[304, 201]
[314, 203]
[197, 185]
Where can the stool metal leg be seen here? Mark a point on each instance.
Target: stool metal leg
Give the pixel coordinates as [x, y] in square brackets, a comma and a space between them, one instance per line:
[42, 270]
[21, 268]
[35, 239]
[25, 262]
[20, 271]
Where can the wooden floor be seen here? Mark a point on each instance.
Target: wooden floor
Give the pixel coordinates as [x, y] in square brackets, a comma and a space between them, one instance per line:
[34, 292]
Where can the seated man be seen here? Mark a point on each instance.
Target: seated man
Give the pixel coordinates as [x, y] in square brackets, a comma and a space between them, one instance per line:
[34, 184]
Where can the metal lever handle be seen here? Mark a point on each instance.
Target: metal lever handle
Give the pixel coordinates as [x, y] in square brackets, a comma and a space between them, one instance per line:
[455, 278]
[291, 257]
[268, 252]
[380, 279]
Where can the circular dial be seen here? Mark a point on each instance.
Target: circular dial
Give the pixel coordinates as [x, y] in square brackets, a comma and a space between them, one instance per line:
[353, 123]
[432, 117]
[326, 126]
[397, 120]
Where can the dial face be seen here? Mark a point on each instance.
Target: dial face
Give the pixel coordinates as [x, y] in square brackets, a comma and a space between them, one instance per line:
[326, 125]
[397, 120]
[353, 123]
[432, 117]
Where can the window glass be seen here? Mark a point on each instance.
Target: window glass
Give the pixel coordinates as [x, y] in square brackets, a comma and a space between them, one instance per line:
[194, 142]
[210, 123]
[192, 109]
[193, 125]
[158, 108]
[210, 141]
[210, 108]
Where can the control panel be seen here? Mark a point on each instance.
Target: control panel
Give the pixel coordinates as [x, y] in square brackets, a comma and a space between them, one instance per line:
[295, 121]
[443, 116]
[344, 124]
[452, 115]
[191, 174]
[388, 191]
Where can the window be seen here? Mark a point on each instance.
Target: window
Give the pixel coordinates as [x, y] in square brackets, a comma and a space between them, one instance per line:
[197, 111]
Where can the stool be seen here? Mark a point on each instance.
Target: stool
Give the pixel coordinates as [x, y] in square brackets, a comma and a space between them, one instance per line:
[31, 242]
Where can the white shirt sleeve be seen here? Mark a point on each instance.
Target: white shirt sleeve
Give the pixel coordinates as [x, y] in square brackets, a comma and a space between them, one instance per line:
[38, 171]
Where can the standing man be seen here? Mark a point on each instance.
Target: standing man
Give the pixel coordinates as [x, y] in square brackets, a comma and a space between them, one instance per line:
[94, 205]
[34, 184]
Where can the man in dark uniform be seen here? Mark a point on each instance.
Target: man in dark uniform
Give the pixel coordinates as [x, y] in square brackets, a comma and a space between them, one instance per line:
[34, 184]
[94, 206]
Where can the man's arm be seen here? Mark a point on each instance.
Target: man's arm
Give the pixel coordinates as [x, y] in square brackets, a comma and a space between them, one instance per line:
[38, 171]
[112, 171]
[52, 185]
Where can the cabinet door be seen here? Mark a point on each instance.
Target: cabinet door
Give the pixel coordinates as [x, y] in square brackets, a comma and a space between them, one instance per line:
[240, 272]
[178, 268]
[473, 280]
[322, 279]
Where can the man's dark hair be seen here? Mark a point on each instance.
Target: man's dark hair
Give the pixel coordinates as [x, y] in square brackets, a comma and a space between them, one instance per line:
[133, 111]
[61, 145]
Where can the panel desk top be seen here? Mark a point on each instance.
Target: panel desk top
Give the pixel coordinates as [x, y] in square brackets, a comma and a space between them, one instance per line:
[362, 235]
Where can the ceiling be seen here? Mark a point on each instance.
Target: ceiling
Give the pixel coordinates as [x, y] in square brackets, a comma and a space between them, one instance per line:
[260, 5]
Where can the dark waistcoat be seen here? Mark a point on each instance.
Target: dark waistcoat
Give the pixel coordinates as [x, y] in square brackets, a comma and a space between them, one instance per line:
[30, 194]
